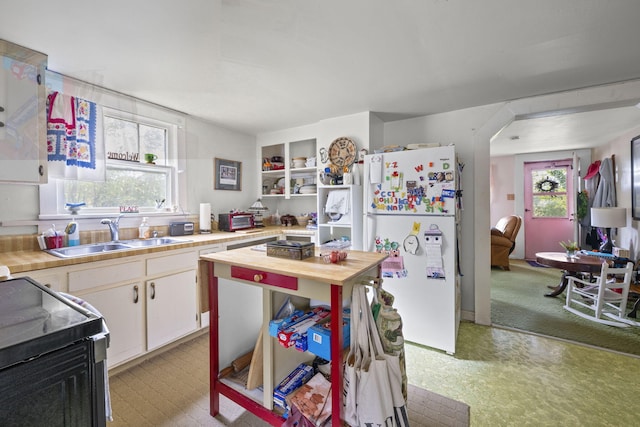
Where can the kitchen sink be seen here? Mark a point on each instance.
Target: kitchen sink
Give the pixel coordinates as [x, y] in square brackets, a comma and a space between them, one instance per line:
[92, 249]
[156, 241]
[98, 248]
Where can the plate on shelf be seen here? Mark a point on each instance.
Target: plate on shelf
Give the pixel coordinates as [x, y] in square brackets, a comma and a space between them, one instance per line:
[342, 152]
[308, 189]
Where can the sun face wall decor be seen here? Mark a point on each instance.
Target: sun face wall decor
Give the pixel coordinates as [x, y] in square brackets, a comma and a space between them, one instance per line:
[342, 152]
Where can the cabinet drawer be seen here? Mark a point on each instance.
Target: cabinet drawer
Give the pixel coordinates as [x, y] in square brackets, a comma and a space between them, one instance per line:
[54, 280]
[211, 249]
[165, 264]
[266, 278]
[107, 275]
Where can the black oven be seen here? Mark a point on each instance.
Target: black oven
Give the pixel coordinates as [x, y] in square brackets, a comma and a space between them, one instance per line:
[52, 359]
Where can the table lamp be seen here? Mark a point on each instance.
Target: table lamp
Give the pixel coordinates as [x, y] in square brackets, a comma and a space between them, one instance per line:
[608, 218]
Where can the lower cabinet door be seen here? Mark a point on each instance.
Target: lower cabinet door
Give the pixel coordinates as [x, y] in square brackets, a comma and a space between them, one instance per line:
[171, 308]
[123, 311]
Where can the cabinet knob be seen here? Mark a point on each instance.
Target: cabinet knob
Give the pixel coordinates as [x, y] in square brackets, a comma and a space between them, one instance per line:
[257, 277]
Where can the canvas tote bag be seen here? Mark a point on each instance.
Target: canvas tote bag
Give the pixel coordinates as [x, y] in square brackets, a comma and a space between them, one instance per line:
[389, 324]
[378, 390]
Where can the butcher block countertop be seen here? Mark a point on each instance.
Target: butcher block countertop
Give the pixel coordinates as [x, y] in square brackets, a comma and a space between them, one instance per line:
[21, 260]
[312, 268]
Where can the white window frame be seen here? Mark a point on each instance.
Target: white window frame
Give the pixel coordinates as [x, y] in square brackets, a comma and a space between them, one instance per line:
[52, 203]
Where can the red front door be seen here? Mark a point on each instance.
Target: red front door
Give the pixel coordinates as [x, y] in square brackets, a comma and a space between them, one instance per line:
[549, 207]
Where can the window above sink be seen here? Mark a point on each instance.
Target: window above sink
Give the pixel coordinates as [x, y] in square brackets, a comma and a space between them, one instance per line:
[151, 186]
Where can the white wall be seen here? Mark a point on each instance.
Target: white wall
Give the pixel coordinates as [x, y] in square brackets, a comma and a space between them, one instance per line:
[201, 142]
[471, 131]
[457, 127]
[501, 185]
[204, 142]
[364, 128]
[620, 147]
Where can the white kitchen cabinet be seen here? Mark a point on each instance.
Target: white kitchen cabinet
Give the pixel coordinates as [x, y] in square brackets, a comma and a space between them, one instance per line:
[147, 302]
[280, 179]
[117, 292]
[105, 273]
[347, 225]
[172, 310]
[171, 297]
[52, 278]
[123, 310]
[23, 134]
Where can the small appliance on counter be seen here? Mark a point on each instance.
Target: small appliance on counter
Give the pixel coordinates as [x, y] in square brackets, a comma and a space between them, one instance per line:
[183, 228]
[234, 221]
[258, 209]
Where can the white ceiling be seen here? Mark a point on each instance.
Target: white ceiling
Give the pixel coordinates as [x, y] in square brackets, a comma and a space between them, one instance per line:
[565, 131]
[263, 65]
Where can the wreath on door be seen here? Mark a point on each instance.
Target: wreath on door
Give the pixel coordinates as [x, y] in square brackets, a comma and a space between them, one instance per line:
[547, 185]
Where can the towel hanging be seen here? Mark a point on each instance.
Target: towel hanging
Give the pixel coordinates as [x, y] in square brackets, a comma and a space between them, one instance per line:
[338, 202]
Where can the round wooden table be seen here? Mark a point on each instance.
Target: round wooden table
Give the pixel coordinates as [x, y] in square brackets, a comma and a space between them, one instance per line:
[570, 267]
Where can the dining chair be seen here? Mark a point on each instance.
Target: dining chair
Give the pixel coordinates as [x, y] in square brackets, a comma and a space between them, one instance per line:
[606, 296]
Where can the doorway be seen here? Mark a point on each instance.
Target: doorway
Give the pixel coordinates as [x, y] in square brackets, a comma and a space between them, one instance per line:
[548, 205]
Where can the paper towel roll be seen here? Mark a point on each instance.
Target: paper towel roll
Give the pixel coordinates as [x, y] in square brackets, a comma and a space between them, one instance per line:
[205, 217]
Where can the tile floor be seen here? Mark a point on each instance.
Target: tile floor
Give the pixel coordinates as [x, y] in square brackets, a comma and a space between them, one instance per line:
[511, 378]
[508, 378]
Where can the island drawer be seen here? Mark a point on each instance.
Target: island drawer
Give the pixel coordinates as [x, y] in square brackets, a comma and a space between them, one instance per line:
[264, 277]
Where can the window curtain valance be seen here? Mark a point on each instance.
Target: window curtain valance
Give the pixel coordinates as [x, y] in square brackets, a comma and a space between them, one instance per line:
[75, 147]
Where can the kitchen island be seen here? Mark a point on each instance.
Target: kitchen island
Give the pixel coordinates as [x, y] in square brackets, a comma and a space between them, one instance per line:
[309, 278]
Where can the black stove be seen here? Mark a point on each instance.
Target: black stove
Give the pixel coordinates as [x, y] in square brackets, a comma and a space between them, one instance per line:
[52, 358]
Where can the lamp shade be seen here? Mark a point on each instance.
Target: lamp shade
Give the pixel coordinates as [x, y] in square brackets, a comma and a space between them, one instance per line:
[608, 217]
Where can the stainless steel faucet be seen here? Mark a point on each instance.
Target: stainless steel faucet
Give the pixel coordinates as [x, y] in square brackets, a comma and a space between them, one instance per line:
[113, 227]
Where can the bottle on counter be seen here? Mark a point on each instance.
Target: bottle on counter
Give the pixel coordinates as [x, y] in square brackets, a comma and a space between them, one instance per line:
[144, 231]
[73, 233]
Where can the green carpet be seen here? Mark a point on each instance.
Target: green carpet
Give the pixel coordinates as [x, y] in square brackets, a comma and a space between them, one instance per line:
[518, 301]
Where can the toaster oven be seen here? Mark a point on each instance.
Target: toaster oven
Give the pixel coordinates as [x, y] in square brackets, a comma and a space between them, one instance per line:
[234, 221]
[184, 228]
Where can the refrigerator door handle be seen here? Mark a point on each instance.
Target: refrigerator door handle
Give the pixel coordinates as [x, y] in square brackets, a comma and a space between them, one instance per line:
[369, 233]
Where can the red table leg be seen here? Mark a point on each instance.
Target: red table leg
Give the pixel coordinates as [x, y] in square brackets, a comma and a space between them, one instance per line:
[336, 355]
[214, 345]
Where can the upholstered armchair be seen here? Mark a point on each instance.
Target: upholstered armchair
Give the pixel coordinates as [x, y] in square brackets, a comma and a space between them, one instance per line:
[503, 240]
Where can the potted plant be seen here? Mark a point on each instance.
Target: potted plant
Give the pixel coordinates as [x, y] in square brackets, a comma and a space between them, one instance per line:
[570, 247]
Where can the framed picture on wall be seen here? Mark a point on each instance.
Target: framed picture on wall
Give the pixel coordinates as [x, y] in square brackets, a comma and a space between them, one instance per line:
[635, 177]
[227, 174]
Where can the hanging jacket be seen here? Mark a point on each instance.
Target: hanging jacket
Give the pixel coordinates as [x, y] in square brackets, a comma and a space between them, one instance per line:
[606, 193]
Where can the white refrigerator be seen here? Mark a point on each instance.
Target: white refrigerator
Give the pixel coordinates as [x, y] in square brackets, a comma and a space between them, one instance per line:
[411, 204]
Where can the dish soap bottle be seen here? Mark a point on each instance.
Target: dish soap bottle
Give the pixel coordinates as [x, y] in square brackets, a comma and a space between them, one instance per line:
[144, 231]
[73, 233]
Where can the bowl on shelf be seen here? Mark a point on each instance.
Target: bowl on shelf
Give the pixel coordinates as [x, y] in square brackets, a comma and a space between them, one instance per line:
[308, 189]
[299, 162]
